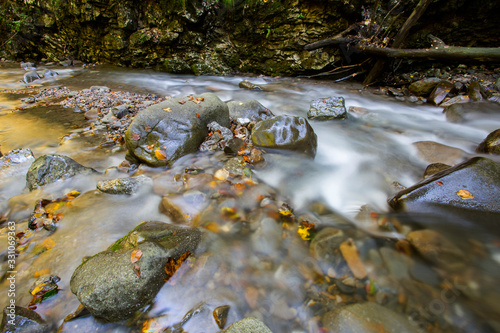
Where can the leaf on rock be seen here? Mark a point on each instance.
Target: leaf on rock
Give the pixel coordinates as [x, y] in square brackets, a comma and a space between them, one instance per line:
[137, 270]
[135, 255]
[136, 136]
[160, 154]
[173, 265]
[464, 194]
[182, 102]
[167, 109]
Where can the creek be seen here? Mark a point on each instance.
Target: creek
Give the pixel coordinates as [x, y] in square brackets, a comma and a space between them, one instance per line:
[357, 162]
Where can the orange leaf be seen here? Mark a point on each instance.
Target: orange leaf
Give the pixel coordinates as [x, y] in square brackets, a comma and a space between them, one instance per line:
[197, 115]
[173, 265]
[160, 154]
[182, 102]
[136, 136]
[464, 194]
[137, 270]
[135, 255]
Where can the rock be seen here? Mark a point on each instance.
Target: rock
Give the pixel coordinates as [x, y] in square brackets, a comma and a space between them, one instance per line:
[325, 244]
[455, 100]
[435, 168]
[120, 111]
[397, 264]
[466, 193]
[424, 87]
[497, 84]
[100, 89]
[183, 208]
[245, 84]
[49, 73]
[366, 317]
[463, 112]
[440, 91]
[285, 132]
[47, 169]
[235, 166]
[327, 109]
[22, 320]
[436, 248]
[251, 109]
[247, 325]
[112, 287]
[220, 315]
[434, 152]
[27, 65]
[224, 131]
[123, 185]
[14, 163]
[31, 76]
[474, 91]
[92, 114]
[163, 132]
[233, 146]
[490, 145]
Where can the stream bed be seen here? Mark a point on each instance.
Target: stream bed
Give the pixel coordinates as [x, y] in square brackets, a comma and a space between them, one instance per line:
[252, 258]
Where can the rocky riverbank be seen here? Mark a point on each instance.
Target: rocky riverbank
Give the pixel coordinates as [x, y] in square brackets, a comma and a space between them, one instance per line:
[235, 248]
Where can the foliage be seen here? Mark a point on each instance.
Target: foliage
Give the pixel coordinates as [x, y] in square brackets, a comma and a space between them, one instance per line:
[12, 21]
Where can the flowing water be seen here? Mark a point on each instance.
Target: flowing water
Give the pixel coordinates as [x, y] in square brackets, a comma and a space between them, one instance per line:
[357, 162]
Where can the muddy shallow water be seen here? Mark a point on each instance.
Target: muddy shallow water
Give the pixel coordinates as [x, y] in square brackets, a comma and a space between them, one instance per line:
[266, 274]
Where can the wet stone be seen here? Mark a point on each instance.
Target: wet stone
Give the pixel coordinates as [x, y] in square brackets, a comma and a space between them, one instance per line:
[434, 152]
[247, 325]
[435, 168]
[224, 131]
[474, 91]
[440, 92]
[491, 144]
[366, 317]
[31, 76]
[220, 315]
[251, 110]
[17, 319]
[424, 87]
[233, 146]
[183, 208]
[326, 243]
[327, 109]
[455, 100]
[124, 185]
[47, 169]
[285, 132]
[245, 84]
[15, 162]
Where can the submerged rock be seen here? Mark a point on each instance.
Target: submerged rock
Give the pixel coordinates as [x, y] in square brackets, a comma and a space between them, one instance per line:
[434, 152]
[31, 76]
[117, 282]
[245, 84]
[251, 109]
[47, 169]
[464, 112]
[366, 317]
[123, 185]
[162, 133]
[19, 319]
[327, 108]
[468, 191]
[285, 132]
[490, 145]
[14, 163]
[247, 325]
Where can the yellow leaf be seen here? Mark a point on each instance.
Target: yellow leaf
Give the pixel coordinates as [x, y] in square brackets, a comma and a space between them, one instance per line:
[304, 233]
[167, 109]
[48, 244]
[41, 272]
[221, 174]
[160, 154]
[464, 194]
[38, 288]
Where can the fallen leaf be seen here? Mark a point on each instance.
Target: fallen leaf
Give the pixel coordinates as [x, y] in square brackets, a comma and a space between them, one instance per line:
[137, 270]
[160, 154]
[191, 98]
[464, 194]
[173, 265]
[147, 128]
[182, 102]
[48, 244]
[350, 253]
[135, 255]
[136, 136]
[167, 109]
[197, 115]
[439, 182]
[150, 146]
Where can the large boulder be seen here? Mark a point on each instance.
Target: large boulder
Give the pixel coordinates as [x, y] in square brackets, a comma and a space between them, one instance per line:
[366, 317]
[251, 109]
[424, 87]
[17, 319]
[163, 132]
[285, 132]
[327, 109]
[468, 192]
[47, 169]
[113, 285]
[490, 145]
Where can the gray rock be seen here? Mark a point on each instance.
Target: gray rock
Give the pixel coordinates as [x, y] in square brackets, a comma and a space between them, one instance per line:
[397, 264]
[497, 84]
[163, 132]
[474, 91]
[123, 185]
[366, 317]
[440, 91]
[47, 169]
[31, 76]
[49, 73]
[247, 325]
[326, 243]
[285, 132]
[113, 288]
[434, 152]
[14, 163]
[463, 112]
[445, 195]
[327, 108]
[424, 87]
[251, 109]
[21, 320]
[491, 144]
[120, 111]
[233, 146]
[224, 131]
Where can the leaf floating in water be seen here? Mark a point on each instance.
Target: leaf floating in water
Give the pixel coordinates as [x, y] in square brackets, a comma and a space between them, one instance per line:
[305, 230]
[135, 255]
[160, 154]
[464, 194]
[350, 253]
